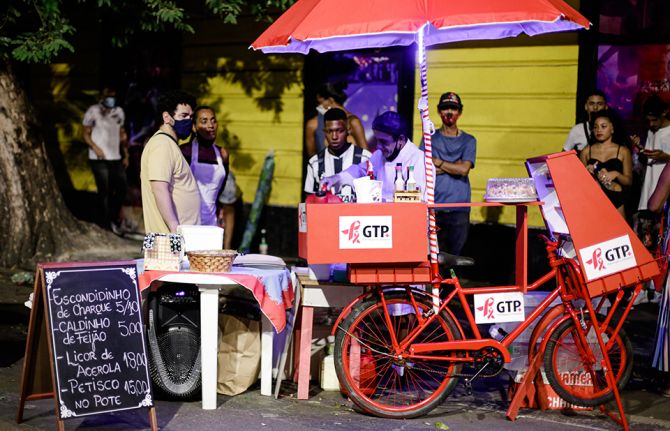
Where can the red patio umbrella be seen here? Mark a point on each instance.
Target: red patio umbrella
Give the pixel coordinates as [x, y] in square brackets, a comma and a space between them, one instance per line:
[337, 25]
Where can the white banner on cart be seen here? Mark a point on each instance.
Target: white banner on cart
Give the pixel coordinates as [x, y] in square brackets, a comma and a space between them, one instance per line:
[366, 232]
[607, 257]
[499, 307]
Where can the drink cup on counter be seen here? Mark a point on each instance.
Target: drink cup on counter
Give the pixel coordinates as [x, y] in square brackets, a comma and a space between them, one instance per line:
[367, 190]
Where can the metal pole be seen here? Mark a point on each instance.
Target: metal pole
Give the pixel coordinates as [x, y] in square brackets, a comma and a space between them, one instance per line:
[428, 129]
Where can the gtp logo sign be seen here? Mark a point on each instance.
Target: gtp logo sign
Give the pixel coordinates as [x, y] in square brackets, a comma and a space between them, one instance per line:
[607, 257]
[366, 232]
[499, 307]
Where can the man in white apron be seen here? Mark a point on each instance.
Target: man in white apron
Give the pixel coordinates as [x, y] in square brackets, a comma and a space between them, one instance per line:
[209, 165]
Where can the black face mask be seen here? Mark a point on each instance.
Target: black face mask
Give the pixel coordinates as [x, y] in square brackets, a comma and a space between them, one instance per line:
[394, 154]
[182, 128]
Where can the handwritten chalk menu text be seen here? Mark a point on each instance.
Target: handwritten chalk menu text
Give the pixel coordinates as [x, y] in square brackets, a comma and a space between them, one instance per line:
[98, 340]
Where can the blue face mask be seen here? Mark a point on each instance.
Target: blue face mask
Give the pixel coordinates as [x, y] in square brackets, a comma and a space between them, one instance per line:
[183, 128]
[109, 102]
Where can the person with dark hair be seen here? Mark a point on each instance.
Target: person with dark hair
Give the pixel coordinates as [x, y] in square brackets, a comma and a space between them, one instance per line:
[337, 156]
[454, 153]
[610, 163]
[108, 156]
[581, 134]
[170, 195]
[393, 147]
[210, 166]
[329, 96]
[657, 145]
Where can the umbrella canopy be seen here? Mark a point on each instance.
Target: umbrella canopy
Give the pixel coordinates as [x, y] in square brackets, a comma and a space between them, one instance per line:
[333, 25]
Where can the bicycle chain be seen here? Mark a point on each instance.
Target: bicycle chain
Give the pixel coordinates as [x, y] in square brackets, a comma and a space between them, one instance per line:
[415, 368]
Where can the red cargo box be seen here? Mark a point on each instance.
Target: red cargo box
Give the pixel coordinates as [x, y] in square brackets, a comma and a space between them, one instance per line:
[363, 233]
[417, 273]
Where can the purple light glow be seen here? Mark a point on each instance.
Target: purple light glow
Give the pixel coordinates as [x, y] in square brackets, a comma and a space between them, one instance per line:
[433, 36]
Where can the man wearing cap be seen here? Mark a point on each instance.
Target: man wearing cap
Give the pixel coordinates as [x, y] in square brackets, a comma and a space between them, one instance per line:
[454, 153]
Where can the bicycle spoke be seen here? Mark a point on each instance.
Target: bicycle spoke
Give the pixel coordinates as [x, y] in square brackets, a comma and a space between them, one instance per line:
[384, 380]
[575, 369]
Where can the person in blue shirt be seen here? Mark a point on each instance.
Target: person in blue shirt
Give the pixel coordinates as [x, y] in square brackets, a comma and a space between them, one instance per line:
[454, 152]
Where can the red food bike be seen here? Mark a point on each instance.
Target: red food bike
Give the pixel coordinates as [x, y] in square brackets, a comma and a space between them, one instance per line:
[400, 350]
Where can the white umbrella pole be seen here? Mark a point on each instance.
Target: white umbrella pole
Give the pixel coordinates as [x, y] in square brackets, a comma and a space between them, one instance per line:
[428, 129]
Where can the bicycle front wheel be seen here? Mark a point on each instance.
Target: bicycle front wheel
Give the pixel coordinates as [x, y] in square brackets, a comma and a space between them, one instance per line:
[381, 382]
[575, 370]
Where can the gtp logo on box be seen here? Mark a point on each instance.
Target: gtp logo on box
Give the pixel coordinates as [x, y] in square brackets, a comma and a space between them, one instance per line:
[366, 232]
[499, 307]
[608, 257]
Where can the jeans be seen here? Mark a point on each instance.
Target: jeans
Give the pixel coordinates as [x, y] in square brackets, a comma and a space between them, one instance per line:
[110, 179]
[453, 227]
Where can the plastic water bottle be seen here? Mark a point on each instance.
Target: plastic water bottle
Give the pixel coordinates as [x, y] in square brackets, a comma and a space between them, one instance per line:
[329, 381]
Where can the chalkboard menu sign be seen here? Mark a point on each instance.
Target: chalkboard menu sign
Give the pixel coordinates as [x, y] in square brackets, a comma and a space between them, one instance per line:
[97, 338]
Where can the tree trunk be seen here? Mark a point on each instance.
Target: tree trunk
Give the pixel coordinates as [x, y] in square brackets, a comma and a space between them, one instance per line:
[35, 224]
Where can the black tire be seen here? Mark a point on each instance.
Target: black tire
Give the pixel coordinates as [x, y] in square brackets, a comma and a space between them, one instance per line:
[572, 376]
[393, 387]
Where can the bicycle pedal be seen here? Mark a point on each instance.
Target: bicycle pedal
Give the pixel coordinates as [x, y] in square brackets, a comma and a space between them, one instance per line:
[468, 387]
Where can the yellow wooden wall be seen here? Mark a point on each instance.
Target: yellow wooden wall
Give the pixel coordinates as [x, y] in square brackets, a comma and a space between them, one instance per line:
[243, 86]
[519, 102]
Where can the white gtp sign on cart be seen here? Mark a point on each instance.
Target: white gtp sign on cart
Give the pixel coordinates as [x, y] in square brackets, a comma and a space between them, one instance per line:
[366, 232]
[607, 257]
[499, 307]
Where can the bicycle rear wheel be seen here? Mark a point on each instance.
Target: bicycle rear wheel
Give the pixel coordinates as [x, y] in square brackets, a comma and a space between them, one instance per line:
[577, 379]
[383, 384]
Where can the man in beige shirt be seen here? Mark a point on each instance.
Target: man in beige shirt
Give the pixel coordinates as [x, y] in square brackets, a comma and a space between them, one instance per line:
[170, 195]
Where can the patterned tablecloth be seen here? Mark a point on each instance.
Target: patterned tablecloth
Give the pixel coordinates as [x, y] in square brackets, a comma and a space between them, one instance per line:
[272, 288]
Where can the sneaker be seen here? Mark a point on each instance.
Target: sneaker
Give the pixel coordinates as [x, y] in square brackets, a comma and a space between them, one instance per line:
[655, 299]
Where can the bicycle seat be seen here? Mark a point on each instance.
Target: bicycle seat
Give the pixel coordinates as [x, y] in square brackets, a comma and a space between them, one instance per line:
[451, 260]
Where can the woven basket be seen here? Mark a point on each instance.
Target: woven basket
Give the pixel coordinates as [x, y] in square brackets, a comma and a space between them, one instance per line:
[211, 260]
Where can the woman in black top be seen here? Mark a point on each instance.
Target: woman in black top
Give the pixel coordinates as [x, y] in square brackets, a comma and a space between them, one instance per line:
[610, 163]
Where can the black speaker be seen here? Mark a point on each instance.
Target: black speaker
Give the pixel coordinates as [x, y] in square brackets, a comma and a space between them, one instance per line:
[174, 339]
[177, 305]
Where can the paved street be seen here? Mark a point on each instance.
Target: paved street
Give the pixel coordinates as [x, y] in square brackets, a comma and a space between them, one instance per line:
[329, 411]
[485, 409]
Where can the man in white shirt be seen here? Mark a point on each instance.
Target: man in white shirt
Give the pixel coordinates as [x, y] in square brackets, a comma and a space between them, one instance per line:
[393, 147]
[657, 145]
[337, 156]
[108, 156]
[580, 135]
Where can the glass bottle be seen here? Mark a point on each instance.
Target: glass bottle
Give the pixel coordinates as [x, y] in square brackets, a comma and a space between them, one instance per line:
[410, 185]
[263, 246]
[399, 180]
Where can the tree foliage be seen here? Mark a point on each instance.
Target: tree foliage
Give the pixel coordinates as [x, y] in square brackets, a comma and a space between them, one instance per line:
[36, 31]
